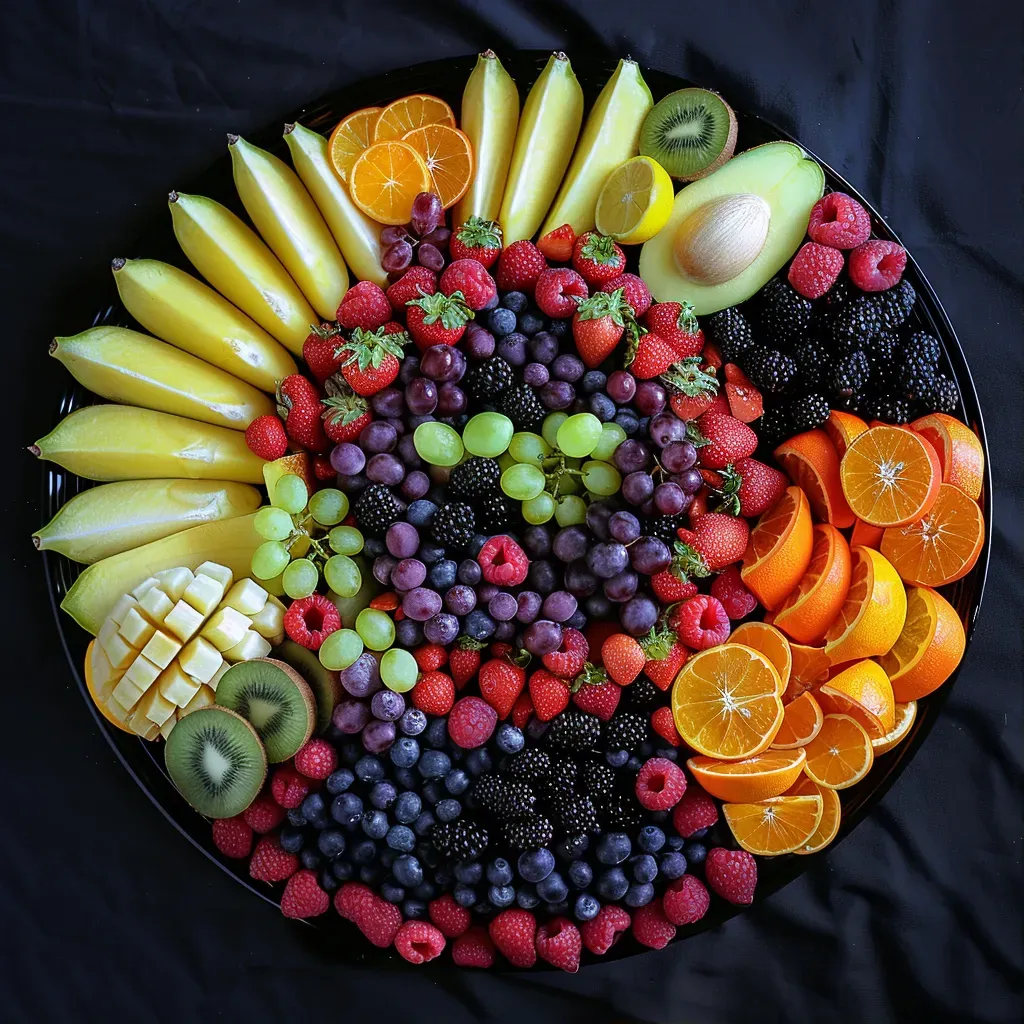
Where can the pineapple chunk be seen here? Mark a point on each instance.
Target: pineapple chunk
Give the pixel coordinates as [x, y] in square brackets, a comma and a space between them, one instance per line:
[226, 627]
[118, 651]
[155, 707]
[136, 629]
[204, 593]
[144, 587]
[252, 645]
[125, 603]
[247, 597]
[156, 604]
[142, 672]
[174, 581]
[200, 659]
[204, 698]
[126, 693]
[270, 621]
[221, 573]
[183, 620]
[218, 675]
[161, 649]
[176, 686]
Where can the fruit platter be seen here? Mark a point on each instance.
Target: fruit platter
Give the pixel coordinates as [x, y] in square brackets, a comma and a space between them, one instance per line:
[520, 514]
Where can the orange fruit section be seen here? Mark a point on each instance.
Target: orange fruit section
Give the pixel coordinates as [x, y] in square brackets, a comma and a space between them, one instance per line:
[811, 461]
[831, 814]
[400, 117]
[866, 684]
[779, 549]
[810, 670]
[834, 702]
[448, 154]
[943, 546]
[770, 642]
[385, 179]
[840, 755]
[801, 721]
[753, 778]
[961, 456]
[905, 716]
[772, 827]
[350, 137]
[842, 428]
[866, 534]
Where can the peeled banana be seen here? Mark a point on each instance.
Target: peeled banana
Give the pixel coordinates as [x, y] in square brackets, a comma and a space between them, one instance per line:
[233, 258]
[120, 442]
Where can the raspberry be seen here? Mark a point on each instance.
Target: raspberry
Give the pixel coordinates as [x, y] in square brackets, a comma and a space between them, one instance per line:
[702, 623]
[695, 811]
[556, 291]
[471, 722]
[730, 589]
[264, 814]
[732, 874]
[311, 621]
[471, 278]
[664, 725]
[568, 661]
[814, 269]
[559, 943]
[652, 928]
[377, 919]
[316, 760]
[270, 863]
[452, 919]
[303, 896]
[839, 221]
[513, 932]
[503, 562]
[419, 941]
[519, 266]
[686, 900]
[288, 787]
[660, 784]
[634, 291]
[474, 949]
[365, 305]
[430, 657]
[877, 265]
[434, 693]
[602, 932]
[413, 284]
[233, 837]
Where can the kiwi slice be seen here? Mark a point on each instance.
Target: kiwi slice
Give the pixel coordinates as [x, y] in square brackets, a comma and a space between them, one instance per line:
[216, 761]
[324, 683]
[691, 133]
[274, 699]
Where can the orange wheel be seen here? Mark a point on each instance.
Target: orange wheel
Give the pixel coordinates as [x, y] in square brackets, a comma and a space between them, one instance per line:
[905, 716]
[350, 137]
[960, 453]
[763, 637]
[810, 670]
[91, 685]
[942, 547]
[831, 814]
[811, 461]
[779, 549]
[867, 686]
[449, 157]
[866, 534]
[754, 778]
[401, 116]
[842, 427]
[801, 721]
[779, 825]
[385, 179]
[840, 755]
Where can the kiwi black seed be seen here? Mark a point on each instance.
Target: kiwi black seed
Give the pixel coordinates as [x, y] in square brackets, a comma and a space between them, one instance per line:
[690, 133]
[216, 761]
[324, 683]
[274, 699]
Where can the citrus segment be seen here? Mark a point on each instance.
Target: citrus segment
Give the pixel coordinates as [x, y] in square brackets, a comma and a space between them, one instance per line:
[810, 670]
[801, 721]
[409, 112]
[350, 137]
[842, 427]
[385, 179]
[960, 453]
[770, 642]
[840, 755]
[448, 154]
[831, 814]
[835, 702]
[772, 827]
[867, 685]
[866, 534]
[905, 716]
[753, 778]
[636, 201]
[811, 461]
[779, 549]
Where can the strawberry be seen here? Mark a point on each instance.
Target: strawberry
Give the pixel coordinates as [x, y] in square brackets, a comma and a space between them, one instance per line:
[675, 322]
[728, 440]
[748, 487]
[519, 266]
[699, 505]
[636, 292]
[602, 932]
[745, 401]
[557, 290]
[470, 279]
[437, 319]
[501, 682]
[598, 258]
[550, 695]
[815, 268]
[598, 325]
[568, 661]
[593, 692]
[430, 657]
[372, 359]
[623, 658]
[474, 949]
[663, 723]
[298, 404]
[270, 863]
[322, 469]
[736, 599]
[266, 437]
[233, 837]
[557, 245]
[712, 355]
[522, 710]
[653, 356]
[718, 540]
[478, 240]
[693, 385]
[732, 874]
[364, 305]
[344, 413]
[665, 657]
[513, 932]
[670, 587]
[464, 660]
[320, 350]
[303, 896]
[413, 284]
[686, 900]
[434, 693]
[558, 942]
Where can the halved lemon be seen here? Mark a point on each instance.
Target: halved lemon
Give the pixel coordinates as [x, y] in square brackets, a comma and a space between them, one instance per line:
[636, 201]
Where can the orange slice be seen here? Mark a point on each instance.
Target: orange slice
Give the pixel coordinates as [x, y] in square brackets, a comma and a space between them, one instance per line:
[866, 534]
[928, 649]
[779, 549]
[811, 461]
[873, 613]
[350, 137]
[779, 825]
[801, 721]
[944, 546]
[905, 716]
[866, 685]
[90, 685]
[401, 116]
[831, 814]
[842, 428]
[840, 755]
[725, 702]
[385, 179]
[448, 154]
[961, 456]
[833, 702]
[814, 605]
[890, 476]
[753, 778]
[810, 670]
[770, 642]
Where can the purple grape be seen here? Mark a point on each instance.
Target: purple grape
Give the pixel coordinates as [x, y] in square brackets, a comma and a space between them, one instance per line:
[568, 367]
[458, 370]
[460, 599]
[669, 499]
[557, 395]
[537, 541]
[393, 233]
[415, 421]
[397, 257]
[541, 577]
[350, 716]
[398, 424]
[690, 481]
[421, 604]
[505, 631]
[470, 572]
[631, 456]
[406, 449]
[378, 737]
[430, 256]
[410, 369]
[647, 509]
[408, 574]
[598, 514]
[427, 213]
[607, 559]
[415, 485]
[512, 348]
[441, 629]
[451, 399]
[665, 428]
[383, 567]
[621, 587]
[388, 402]
[410, 634]
[378, 436]
[542, 637]
[559, 606]
[485, 591]
[436, 361]
[362, 677]
[579, 580]
[529, 606]
[621, 386]
[347, 458]
[479, 342]
[650, 398]
[543, 347]
[650, 555]
[403, 541]
[571, 542]
[387, 705]
[352, 485]
[439, 237]
[639, 615]
[385, 469]
[536, 374]
[637, 488]
[678, 455]
[421, 396]
[623, 527]
[598, 606]
[502, 607]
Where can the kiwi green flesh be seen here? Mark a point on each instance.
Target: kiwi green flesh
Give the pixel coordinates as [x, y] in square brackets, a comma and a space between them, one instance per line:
[325, 684]
[216, 761]
[689, 132]
[274, 699]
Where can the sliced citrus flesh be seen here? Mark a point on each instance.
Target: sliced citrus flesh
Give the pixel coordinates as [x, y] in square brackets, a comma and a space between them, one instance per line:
[775, 826]
[835, 702]
[840, 755]
[811, 461]
[753, 778]
[905, 716]
[866, 534]
[725, 702]
[635, 202]
[961, 456]
[350, 137]
[866, 684]
[801, 722]
[810, 670]
[929, 647]
[401, 116]
[448, 154]
[385, 179]
[873, 613]
[831, 814]
[90, 685]
[779, 549]
[943, 546]
[842, 428]
[763, 637]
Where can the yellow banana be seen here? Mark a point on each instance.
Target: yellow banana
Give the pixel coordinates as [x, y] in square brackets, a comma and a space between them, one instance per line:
[290, 223]
[112, 518]
[134, 369]
[610, 137]
[233, 258]
[191, 316]
[357, 236]
[120, 442]
[490, 113]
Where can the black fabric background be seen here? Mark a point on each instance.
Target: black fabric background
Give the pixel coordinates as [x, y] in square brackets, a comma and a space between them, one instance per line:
[107, 913]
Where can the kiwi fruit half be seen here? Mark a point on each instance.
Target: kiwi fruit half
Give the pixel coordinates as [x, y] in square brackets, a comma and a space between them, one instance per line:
[324, 683]
[274, 699]
[216, 761]
[691, 133]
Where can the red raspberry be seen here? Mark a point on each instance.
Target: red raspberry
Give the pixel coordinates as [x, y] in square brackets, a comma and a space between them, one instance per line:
[303, 896]
[686, 900]
[660, 784]
[233, 837]
[471, 278]
[519, 266]
[364, 305]
[732, 874]
[503, 562]
[555, 290]
[634, 291]
[348, 898]
[430, 657]
[839, 221]
[264, 814]
[695, 811]
[474, 949]
[377, 919]
[730, 589]
[452, 919]
[413, 284]
[311, 621]
[316, 760]
[602, 932]
[270, 863]
[815, 268]
[471, 722]
[651, 927]
[513, 932]
[434, 693]
[568, 661]
[419, 941]
[288, 787]
[703, 623]
[664, 725]
[877, 265]
[522, 710]
[559, 943]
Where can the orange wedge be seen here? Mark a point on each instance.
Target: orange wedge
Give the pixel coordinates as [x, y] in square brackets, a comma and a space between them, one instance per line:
[350, 137]
[960, 453]
[448, 154]
[867, 686]
[90, 685]
[725, 702]
[890, 476]
[753, 778]
[810, 670]
[834, 702]
[814, 605]
[840, 755]
[873, 613]
[779, 825]
[866, 534]
[401, 116]
[801, 721]
[842, 428]
[779, 549]
[905, 716]
[811, 461]
[944, 546]
[770, 642]
[928, 649]
[831, 814]
[385, 179]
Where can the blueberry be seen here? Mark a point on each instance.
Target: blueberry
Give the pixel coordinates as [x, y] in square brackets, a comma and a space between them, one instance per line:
[296, 818]
[407, 871]
[456, 782]
[383, 795]
[406, 778]
[432, 792]
[669, 753]
[464, 895]
[617, 758]
[509, 739]
[434, 764]
[612, 884]
[370, 874]
[516, 301]
[425, 891]
[659, 817]
[476, 543]
[374, 547]
[346, 808]
[327, 880]
[535, 865]
[478, 761]
[553, 888]
[363, 852]
[674, 843]
[448, 809]
[404, 752]
[419, 513]
[470, 572]
[414, 910]
[499, 871]
[587, 907]
[401, 838]
[634, 764]
[645, 868]
[375, 824]
[321, 821]
[672, 865]
[424, 823]
[526, 897]
[650, 839]
[310, 859]
[627, 419]
[428, 854]
[695, 853]
[613, 848]
[350, 751]
[339, 781]
[408, 633]
[429, 552]
[645, 750]
[291, 840]
[313, 806]
[436, 735]
[369, 769]
[501, 321]
[501, 896]
[602, 407]
[468, 872]
[559, 328]
[577, 620]
[581, 874]
[341, 869]
[639, 895]
[530, 324]
[391, 892]
[700, 833]
[478, 624]
[573, 847]
[443, 574]
[412, 722]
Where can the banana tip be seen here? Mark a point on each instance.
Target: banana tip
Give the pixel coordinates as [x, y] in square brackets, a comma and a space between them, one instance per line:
[172, 197]
[289, 128]
[232, 139]
[51, 350]
[489, 54]
[35, 450]
[118, 262]
[36, 542]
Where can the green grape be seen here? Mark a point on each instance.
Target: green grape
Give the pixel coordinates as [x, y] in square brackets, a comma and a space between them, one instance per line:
[291, 494]
[341, 649]
[328, 506]
[522, 482]
[527, 447]
[438, 444]
[601, 478]
[539, 509]
[505, 461]
[272, 523]
[579, 434]
[550, 426]
[376, 628]
[343, 575]
[269, 560]
[346, 540]
[300, 579]
[488, 434]
[398, 670]
[274, 586]
[612, 435]
[571, 511]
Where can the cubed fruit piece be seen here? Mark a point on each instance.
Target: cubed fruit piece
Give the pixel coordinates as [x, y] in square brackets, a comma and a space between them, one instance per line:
[116, 712]
[176, 686]
[125, 603]
[226, 627]
[155, 706]
[144, 587]
[203, 699]
[204, 593]
[139, 723]
[183, 620]
[117, 649]
[200, 659]
[221, 573]
[142, 672]
[247, 597]
[104, 675]
[156, 604]
[126, 693]
[218, 675]
[251, 646]
[165, 729]
[174, 581]
[269, 622]
[136, 629]
[161, 649]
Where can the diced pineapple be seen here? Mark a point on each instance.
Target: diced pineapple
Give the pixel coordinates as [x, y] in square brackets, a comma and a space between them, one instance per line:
[252, 645]
[226, 627]
[142, 672]
[269, 622]
[161, 649]
[125, 603]
[204, 698]
[104, 675]
[118, 651]
[136, 629]
[176, 686]
[165, 729]
[247, 597]
[155, 707]
[126, 693]
[183, 620]
[200, 659]
[174, 581]
[221, 573]
[204, 593]
[156, 604]
[218, 675]
[143, 726]
[144, 587]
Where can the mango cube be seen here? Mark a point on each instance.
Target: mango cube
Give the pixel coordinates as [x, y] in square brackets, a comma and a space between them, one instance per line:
[218, 675]
[124, 604]
[269, 622]
[126, 693]
[247, 597]
[221, 573]
[104, 675]
[161, 649]
[155, 707]
[165, 729]
[183, 620]
[142, 672]
[140, 724]
[156, 604]
[117, 712]
[203, 699]
[144, 587]
[252, 645]
[200, 659]
[204, 593]
[174, 581]
[136, 629]
[226, 627]
[118, 650]
[176, 686]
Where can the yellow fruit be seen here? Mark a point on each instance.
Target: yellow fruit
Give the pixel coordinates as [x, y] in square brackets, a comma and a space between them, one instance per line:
[635, 202]
[188, 314]
[120, 442]
[610, 136]
[134, 369]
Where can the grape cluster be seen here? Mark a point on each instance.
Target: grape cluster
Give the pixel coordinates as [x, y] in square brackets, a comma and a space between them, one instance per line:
[425, 237]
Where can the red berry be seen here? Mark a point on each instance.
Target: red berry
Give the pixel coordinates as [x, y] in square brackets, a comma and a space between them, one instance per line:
[703, 623]
[322, 468]
[452, 919]
[476, 239]
[522, 710]
[559, 943]
[270, 863]
[557, 244]
[233, 837]
[732, 874]
[660, 784]
[474, 949]
[695, 811]
[514, 932]
[555, 290]
[503, 562]
[264, 814]
[471, 722]
[266, 437]
[519, 266]
[599, 696]
[303, 896]
[298, 402]
[471, 278]
[602, 932]
[839, 221]
[320, 348]
[419, 941]
[686, 900]
[634, 291]
[598, 258]
[815, 268]
[434, 693]
[377, 919]
[664, 725]
[316, 760]
[413, 284]
[651, 927]
[549, 694]
[730, 589]
[364, 305]
[430, 657]
[288, 787]
[568, 661]
[501, 683]
[311, 620]
[877, 265]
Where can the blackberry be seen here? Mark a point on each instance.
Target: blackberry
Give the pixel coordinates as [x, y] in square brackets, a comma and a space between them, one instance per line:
[774, 425]
[813, 363]
[619, 813]
[664, 527]
[597, 780]
[851, 373]
[808, 412]
[836, 297]
[731, 332]
[888, 408]
[453, 524]
[491, 378]
[641, 695]
[574, 813]
[460, 839]
[528, 831]
[882, 350]
[923, 348]
[771, 370]
[575, 730]
[522, 406]
[376, 509]
[494, 513]
[895, 304]
[856, 402]
[503, 797]
[531, 763]
[625, 730]
[944, 395]
[856, 322]
[785, 313]
[915, 378]
[475, 478]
